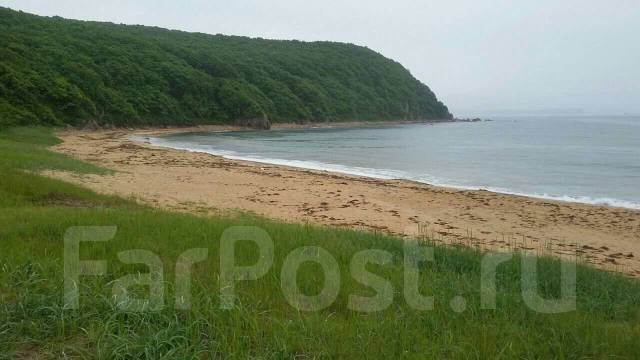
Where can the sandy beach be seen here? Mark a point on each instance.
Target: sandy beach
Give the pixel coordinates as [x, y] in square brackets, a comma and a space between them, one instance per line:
[605, 237]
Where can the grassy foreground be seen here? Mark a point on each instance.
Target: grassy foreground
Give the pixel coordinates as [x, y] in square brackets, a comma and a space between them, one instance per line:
[35, 212]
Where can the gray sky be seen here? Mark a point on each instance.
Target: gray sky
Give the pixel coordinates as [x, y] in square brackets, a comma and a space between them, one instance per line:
[479, 57]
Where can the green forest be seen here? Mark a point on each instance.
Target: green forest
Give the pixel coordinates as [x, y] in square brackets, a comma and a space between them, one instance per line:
[55, 71]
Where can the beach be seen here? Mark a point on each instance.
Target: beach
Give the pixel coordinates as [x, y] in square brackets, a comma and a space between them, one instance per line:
[606, 237]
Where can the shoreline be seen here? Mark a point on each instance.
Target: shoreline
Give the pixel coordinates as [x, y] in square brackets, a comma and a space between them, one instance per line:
[371, 173]
[606, 237]
[158, 131]
[334, 168]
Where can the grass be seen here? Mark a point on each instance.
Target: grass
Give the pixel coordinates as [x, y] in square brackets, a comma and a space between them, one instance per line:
[26, 149]
[35, 212]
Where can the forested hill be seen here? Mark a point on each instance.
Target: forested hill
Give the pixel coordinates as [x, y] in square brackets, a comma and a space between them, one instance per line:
[57, 71]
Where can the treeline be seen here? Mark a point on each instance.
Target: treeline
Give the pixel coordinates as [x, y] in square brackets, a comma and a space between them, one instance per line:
[55, 71]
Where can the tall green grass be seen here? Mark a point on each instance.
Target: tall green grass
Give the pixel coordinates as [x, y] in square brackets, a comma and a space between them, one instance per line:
[33, 321]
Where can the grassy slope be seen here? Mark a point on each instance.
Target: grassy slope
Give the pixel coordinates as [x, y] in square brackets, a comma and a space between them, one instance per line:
[35, 212]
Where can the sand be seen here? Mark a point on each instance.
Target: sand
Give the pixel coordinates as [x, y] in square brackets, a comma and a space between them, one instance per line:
[204, 184]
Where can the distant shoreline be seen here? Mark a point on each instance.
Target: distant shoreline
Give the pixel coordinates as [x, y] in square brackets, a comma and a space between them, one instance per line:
[155, 130]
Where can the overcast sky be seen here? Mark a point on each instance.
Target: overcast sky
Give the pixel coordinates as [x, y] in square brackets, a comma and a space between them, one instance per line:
[479, 57]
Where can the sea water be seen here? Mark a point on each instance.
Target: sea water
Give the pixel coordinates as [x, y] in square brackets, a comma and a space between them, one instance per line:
[588, 159]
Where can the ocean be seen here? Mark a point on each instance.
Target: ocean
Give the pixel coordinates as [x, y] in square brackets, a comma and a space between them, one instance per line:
[593, 160]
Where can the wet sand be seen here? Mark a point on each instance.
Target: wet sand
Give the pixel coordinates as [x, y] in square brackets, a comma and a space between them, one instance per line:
[605, 237]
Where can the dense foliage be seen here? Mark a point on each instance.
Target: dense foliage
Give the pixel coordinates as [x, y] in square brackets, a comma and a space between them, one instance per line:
[56, 71]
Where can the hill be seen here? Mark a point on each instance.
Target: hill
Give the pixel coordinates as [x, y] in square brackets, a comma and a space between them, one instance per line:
[55, 71]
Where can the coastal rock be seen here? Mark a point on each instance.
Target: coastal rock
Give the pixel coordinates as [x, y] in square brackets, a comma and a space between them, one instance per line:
[92, 125]
[257, 123]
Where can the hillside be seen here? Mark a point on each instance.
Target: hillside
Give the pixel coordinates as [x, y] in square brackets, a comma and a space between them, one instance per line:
[58, 71]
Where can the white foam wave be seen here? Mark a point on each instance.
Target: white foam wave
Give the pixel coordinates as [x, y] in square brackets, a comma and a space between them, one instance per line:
[385, 174]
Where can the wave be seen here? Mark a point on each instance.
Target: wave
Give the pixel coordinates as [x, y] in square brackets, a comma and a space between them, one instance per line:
[605, 201]
[385, 174]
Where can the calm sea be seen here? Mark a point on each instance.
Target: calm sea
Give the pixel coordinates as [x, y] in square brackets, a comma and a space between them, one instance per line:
[583, 159]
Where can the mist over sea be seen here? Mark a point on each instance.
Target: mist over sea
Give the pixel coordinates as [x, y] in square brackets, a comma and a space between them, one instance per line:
[583, 159]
